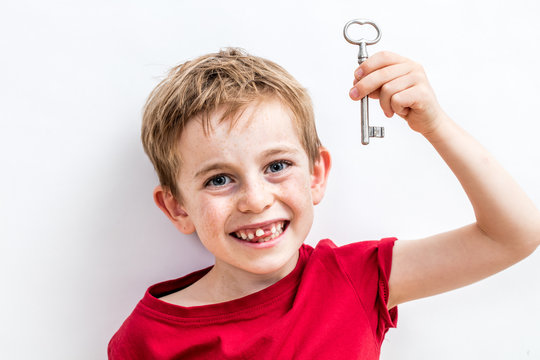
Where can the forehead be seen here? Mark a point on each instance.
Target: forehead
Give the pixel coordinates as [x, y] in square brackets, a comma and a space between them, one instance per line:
[260, 120]
[263, 110]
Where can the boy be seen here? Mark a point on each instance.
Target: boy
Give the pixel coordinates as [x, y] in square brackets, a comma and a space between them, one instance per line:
[233, 140]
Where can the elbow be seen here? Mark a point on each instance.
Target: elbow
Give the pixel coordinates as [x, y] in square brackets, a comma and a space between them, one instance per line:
[520, 241]
[520, 250]
[531, 248]
[535, 238]
[519, 237]
[531, 237]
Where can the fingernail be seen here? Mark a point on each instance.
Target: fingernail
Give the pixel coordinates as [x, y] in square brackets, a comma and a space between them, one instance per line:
[358, 73]
[353, 93]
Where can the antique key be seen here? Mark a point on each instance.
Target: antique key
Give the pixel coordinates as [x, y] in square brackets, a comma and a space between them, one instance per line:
[367, 131]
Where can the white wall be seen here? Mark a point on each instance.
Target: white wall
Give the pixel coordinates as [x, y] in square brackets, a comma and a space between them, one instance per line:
[81, 239]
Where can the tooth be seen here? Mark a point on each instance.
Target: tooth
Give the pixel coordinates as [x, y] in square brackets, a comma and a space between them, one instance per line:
[273, 230]
[250, 236]
[243, 235]
[280, 226]
[259, 232]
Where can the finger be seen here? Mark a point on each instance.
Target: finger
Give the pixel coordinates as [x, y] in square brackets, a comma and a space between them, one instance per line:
[357, 75]
[375, 80]
[378, 61]
[404, 101]
[393, 87]
[375, 94]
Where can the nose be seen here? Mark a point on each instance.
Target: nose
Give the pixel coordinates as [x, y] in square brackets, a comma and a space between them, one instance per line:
[255, 196]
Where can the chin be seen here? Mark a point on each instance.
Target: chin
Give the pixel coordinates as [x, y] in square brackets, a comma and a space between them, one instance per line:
[277, 265]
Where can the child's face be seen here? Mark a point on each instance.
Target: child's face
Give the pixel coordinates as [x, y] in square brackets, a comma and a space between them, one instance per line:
[252, 180]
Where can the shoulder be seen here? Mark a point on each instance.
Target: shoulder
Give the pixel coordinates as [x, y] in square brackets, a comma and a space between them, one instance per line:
[380, 249]
[363, 260]
[359, 269]
[129, 340]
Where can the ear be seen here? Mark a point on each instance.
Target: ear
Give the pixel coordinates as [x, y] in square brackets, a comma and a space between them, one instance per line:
[321, 169]
[165, 200]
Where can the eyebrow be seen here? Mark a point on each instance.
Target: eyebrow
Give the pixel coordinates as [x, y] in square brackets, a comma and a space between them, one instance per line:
[285, 150]
[207, 169]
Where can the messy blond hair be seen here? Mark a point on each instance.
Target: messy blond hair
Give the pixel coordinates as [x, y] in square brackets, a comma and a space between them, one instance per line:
[230, 78]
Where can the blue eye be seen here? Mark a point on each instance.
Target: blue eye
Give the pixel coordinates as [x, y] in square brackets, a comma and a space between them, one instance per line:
[278, 166]
[218, 180]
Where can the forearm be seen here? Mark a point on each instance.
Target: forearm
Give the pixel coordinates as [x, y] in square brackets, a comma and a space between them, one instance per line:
[503, 211]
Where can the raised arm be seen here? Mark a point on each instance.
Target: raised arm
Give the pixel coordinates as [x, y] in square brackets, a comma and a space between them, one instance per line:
[507, 227]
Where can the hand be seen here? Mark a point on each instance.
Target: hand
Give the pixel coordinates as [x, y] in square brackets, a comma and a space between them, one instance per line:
[402, 88]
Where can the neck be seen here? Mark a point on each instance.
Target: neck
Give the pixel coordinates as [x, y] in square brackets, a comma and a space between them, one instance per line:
[225, 282]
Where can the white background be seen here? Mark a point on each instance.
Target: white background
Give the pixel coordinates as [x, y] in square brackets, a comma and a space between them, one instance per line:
[81, 239]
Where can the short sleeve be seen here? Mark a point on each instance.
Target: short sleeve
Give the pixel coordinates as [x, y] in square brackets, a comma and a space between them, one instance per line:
[367, 265]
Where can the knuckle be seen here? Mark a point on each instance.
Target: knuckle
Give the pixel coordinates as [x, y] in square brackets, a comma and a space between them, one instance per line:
[362, 89]
[365, 67]
[386, 55]
[419, 77]
[395, 99]
[386, 72]
[418, 67]
[387, 89]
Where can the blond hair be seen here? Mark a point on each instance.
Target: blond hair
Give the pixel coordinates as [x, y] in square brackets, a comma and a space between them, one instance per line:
[230, 78]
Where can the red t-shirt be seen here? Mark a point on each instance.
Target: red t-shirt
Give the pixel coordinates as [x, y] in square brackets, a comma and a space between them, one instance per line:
[331, 306]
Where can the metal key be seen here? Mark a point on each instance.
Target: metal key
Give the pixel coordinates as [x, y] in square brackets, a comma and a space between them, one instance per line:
[367, 131]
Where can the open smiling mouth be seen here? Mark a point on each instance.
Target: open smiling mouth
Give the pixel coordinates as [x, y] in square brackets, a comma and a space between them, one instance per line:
[262, 234]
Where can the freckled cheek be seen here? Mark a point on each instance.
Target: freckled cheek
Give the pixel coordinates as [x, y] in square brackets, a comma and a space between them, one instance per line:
[296, 194]
[298, 191]
[213, 212]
